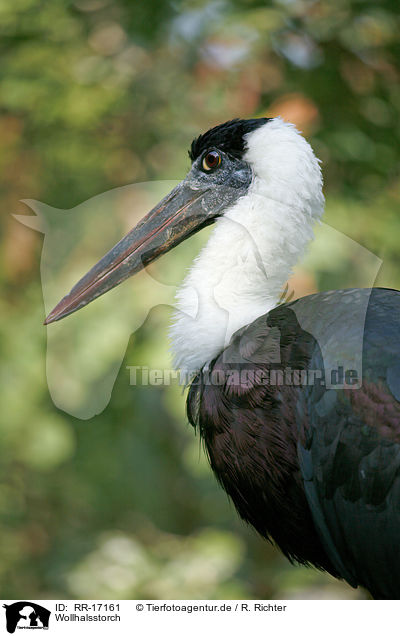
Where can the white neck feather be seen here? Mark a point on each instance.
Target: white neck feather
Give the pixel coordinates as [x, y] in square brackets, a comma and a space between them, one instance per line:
[239, 274]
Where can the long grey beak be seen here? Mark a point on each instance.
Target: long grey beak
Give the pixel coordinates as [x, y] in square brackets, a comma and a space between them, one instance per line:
[181, 213]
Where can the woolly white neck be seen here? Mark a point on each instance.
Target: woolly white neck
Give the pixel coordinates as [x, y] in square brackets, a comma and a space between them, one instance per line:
[239, 274]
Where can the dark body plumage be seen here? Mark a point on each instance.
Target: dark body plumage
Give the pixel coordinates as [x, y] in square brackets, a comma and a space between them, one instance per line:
[311, 465]
[315, 469]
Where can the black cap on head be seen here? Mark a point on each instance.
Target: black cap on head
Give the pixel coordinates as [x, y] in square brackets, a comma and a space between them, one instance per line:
[228, 137]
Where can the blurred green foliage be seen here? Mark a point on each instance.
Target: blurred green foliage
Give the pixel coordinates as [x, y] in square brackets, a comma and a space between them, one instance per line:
[95, 94]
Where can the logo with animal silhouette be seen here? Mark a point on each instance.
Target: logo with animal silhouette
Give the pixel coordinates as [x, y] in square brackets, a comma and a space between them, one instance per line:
[26, 615]
[74, 239]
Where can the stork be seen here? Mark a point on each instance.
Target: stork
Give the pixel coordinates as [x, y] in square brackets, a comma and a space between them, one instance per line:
[314, 468]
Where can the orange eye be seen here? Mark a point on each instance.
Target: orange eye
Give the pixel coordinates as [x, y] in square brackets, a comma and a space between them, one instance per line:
[211, 160]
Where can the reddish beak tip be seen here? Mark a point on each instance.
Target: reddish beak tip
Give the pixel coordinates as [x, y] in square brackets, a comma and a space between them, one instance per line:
[166, 225]
[56, 314]
[49, 320]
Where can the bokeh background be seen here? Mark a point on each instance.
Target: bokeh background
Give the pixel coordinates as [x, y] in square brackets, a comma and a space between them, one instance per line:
[97, 94]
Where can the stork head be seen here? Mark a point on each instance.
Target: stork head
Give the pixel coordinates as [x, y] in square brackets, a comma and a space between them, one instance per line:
[227, 162]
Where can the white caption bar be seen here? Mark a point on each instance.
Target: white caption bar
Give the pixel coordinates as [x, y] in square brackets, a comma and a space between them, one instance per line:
[311, 618]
